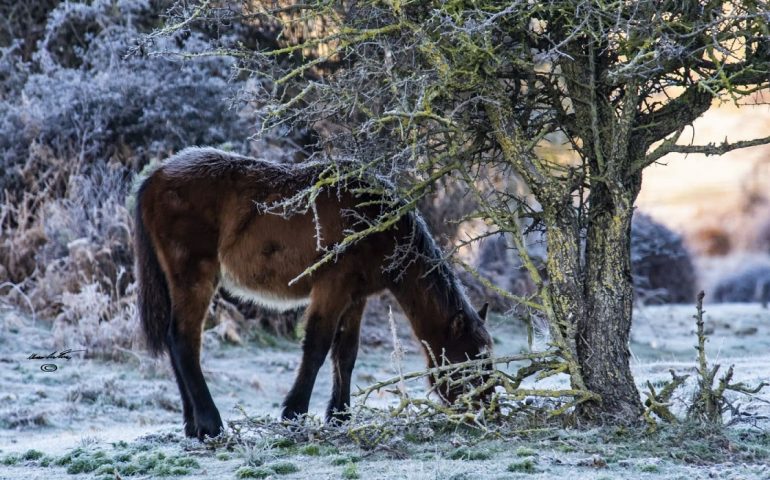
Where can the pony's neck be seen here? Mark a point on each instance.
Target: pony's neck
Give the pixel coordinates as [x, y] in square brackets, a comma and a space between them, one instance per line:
[427, 304]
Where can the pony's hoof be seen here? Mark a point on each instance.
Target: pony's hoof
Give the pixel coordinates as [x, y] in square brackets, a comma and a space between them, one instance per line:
[210, 426]
[292, 411]
[289, 414]
[190, 431]
[210, 432]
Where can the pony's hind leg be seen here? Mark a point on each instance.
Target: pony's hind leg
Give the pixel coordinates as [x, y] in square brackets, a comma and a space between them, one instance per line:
[187, 406]
[322, 316]
[344, 352]
[190, 300]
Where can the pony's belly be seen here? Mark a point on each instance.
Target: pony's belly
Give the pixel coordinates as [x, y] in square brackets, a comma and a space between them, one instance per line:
[268, 299]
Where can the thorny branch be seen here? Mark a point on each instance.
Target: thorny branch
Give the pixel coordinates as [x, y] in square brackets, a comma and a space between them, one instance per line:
[709, 402]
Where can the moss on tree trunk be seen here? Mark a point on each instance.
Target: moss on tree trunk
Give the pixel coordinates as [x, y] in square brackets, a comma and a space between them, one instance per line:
[603, 335]
[591, 293]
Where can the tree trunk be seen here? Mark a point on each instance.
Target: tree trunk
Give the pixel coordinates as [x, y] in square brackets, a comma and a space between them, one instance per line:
[603, 334]
[565, 285]
[591, 295]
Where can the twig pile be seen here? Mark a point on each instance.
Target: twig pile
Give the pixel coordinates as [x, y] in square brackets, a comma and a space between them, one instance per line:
[492, 403]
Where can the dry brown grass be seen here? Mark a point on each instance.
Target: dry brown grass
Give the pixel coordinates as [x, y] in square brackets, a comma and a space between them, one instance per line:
[65, 252]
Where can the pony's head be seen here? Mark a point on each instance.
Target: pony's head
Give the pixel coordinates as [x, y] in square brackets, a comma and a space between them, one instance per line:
[466, 338]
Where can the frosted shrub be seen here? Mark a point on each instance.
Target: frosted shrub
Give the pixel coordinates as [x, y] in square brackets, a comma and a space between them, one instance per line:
[91, 320]
[81, 111]
[751, 284]
[88, 101]
[661, 265]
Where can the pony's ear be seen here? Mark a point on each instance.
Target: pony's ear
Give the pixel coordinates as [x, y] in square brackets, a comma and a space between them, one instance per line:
[483, 312]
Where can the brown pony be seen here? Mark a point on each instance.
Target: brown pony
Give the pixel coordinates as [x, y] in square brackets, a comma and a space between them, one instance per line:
[201, 224]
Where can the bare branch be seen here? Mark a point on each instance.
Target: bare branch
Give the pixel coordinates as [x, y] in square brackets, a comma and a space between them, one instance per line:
[718, 149]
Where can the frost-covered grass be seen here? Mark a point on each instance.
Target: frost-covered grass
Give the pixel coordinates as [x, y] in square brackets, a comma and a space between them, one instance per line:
[102, 416]
[681, 452]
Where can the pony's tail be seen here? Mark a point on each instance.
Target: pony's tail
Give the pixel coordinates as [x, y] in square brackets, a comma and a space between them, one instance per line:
[154, 299]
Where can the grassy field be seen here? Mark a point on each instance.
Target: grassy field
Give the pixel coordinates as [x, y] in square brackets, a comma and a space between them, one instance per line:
[121, 419]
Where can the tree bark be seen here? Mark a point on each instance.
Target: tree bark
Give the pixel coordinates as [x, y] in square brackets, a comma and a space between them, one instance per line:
[603, 335]
[565, 280]
[591, 294]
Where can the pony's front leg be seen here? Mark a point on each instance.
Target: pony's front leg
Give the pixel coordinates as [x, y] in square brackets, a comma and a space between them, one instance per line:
[344, 352]
[322, 316]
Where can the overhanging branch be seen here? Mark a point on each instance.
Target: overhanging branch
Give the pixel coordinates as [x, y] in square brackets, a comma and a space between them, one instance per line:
[670, 146]
[718, 149]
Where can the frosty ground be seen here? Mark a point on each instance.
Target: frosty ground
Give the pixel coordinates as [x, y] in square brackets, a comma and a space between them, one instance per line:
[93, 418]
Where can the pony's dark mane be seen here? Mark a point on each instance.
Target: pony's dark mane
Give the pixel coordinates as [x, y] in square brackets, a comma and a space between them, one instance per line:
[439, 273]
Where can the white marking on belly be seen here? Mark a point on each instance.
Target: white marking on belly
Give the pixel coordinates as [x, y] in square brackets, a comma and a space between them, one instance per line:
[264, 298]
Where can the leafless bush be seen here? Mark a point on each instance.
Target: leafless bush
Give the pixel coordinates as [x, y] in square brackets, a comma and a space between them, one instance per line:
[513, 409]
[81, 99]
[72, 257]
[22, 23]
[91, 320]
[710, 403]
[19, 244]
